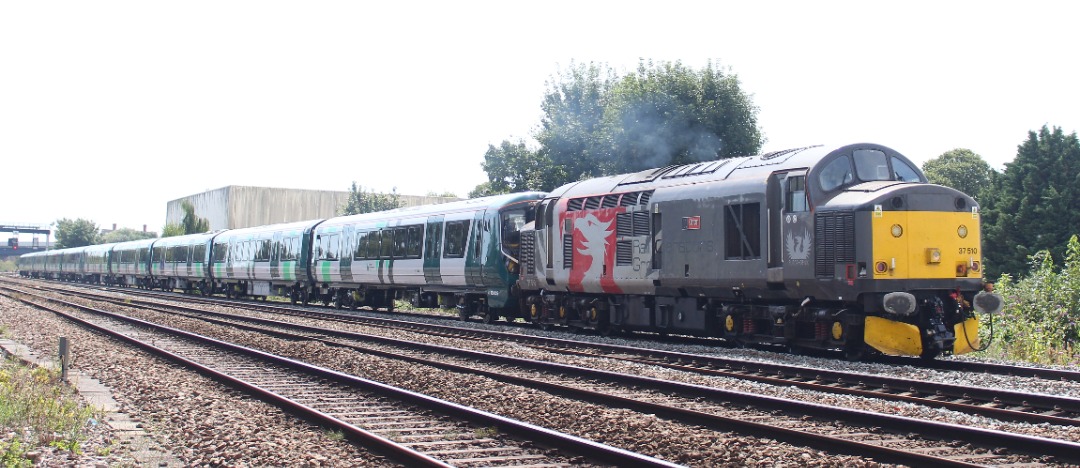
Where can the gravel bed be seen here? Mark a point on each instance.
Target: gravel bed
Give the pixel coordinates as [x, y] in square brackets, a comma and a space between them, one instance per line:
[193, 419]
[1022, 384]
[618, 426]
[644, 433]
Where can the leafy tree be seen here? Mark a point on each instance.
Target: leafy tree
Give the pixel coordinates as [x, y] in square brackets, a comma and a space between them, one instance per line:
[513, 167]
[597, 123]
[173, 230]
[191, 223]
[75, 233]
[447, 194]
[668, 113]
[572, 132]
[960, 169]
[1033, 204]
[126, 234]
[368, 202]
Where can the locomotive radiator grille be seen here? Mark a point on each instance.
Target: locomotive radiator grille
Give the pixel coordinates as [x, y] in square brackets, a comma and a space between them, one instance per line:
[834, 234]
[568, 251]
[528, 251]
[624, 253]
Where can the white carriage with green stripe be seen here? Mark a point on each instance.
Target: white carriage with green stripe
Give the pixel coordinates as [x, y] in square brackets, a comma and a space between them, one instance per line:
[263, 261]
[461, 254]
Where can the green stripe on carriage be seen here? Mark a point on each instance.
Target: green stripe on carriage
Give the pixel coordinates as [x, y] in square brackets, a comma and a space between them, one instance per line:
[288, 270]
[324, 270]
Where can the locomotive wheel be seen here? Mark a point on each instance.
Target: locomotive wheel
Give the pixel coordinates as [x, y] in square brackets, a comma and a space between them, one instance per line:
[463, 314]
[292, 297]
[304, 298]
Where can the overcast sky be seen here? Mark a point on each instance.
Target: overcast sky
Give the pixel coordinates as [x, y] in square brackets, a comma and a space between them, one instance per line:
[109, 110]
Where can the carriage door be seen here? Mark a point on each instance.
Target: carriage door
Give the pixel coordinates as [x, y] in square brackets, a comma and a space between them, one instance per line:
[345, 253]
[789, 232]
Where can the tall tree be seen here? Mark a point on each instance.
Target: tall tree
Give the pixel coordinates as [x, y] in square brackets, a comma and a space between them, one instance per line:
[668, 113]
[1033, 206]
[193, 224]
[960, 169]
[597, 123]
[513, 167]
[75, 233]
[368, 202]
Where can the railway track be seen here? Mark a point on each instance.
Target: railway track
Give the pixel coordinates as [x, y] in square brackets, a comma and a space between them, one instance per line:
[995, 403]
[391, 420]
[694, 404]
[973, 367]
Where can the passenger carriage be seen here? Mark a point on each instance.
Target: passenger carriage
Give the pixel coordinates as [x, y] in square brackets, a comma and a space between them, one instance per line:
[263, 261]
[182, 262]
[130, 264]
[462, 254]
[96, 263]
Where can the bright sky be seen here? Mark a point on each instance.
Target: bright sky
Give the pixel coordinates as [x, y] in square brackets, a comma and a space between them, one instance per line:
[108, 109]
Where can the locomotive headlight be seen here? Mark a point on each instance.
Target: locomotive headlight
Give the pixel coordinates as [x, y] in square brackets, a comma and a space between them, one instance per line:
[933, 255]
[962, 231]
[897, 230]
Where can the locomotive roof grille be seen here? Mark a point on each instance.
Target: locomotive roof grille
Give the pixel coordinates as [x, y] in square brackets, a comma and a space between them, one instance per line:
[609, 201]
[777, 154]
[697, 169]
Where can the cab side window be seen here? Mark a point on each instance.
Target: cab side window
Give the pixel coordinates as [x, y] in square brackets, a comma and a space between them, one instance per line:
[796, 195]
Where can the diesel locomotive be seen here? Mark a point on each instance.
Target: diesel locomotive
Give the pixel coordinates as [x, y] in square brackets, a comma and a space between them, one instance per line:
[841, 248]
[845, 248]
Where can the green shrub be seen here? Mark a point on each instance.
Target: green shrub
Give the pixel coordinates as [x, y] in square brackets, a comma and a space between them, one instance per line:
[1039, 323]
[39, 410]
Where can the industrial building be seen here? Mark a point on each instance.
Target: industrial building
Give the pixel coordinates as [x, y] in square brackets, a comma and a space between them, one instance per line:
[236, 206]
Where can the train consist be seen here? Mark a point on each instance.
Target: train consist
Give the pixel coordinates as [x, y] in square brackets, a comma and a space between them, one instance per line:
[845, 248]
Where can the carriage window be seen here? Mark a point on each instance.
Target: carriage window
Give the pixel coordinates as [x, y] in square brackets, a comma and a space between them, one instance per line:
[456, 232]
[837, 173]
[415, 241]
[288, 249]
[796, 195]
[373, 245]
[361, 243]
[220, 251]
[871, 165]
[903, 172]
[263, 252]
[199, 254]
[399, 242]
[332, 246]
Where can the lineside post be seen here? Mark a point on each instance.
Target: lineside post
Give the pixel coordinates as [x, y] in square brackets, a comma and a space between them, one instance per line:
[65, 358]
